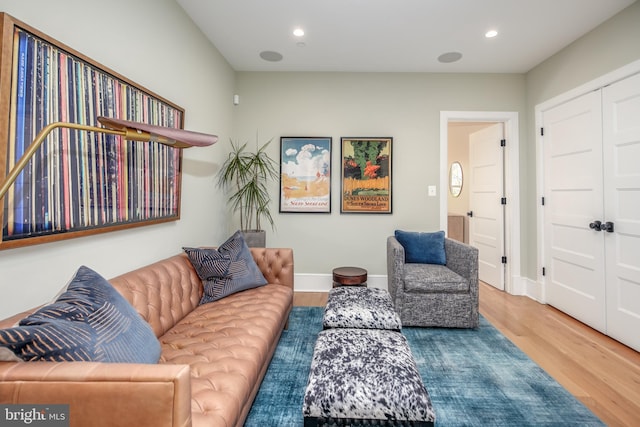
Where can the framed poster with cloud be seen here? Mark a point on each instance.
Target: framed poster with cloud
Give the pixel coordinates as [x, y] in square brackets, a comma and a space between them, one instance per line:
[366, 175]
[305, 174]
[78, 183]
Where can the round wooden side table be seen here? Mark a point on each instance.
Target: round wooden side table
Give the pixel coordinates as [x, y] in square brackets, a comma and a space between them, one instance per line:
[349, 276]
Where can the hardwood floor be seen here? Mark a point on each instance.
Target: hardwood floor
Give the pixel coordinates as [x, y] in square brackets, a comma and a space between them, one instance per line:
[602, 373]
[310, 299]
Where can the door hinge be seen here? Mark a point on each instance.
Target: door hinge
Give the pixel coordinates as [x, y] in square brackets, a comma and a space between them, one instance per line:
[542, 200]
[504, 259]
[544, 271]
[503, 143]
[541, 131]
[503, 201]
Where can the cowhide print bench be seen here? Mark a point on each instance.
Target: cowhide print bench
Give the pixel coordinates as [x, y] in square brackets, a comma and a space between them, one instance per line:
[364, 375]
[360, 308]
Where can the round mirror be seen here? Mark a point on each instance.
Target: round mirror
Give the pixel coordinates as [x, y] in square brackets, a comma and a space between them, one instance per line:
[455, 179]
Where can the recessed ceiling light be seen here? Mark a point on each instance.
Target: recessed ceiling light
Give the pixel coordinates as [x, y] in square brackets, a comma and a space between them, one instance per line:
[449, 57]
[298, 32]
[271, 56]
[490, 34]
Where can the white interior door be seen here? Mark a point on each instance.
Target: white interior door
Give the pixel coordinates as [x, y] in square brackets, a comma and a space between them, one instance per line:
[486, 223]
[621, 126]
[574, 252]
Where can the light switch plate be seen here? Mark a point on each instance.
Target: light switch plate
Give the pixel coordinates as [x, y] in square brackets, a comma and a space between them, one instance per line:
[432, 190]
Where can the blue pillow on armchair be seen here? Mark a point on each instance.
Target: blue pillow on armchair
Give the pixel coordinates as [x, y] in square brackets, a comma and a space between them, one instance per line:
[422, 248]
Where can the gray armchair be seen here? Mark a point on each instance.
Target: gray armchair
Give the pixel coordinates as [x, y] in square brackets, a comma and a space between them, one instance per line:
[435, 295]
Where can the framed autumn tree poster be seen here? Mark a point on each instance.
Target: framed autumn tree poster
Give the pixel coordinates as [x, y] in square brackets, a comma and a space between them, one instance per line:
[366, 175]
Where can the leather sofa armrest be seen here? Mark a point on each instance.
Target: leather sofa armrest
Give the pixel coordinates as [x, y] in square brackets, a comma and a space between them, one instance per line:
[276, 264]
[103, 394]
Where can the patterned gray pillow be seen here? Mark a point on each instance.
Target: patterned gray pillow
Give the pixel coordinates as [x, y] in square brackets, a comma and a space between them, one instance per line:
[226, 270]
[208, 263]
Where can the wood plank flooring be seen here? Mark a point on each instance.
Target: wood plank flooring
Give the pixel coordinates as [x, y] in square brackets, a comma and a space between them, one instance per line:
[602, 373]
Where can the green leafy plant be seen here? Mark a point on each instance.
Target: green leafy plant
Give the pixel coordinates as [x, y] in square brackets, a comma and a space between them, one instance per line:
[246, 174]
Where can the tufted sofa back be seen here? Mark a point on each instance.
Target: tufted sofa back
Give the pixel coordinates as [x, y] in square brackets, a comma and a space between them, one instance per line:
[166, 291]
[163, 292]
[276, 264]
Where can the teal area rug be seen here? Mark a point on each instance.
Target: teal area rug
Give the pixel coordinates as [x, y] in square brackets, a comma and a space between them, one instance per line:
[475, 378]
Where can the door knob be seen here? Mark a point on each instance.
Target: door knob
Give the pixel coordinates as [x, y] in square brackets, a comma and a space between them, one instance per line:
[596, 225]
[607, 226]
[470, 214]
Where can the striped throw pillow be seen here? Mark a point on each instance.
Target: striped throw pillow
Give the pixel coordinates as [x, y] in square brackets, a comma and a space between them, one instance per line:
[90, 321]
[233, 258]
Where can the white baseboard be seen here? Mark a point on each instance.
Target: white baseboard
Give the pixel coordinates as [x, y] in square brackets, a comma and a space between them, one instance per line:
[308, 282]
[527, 287]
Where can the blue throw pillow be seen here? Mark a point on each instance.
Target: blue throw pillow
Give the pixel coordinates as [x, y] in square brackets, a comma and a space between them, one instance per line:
[241, 272]
[90, 321]
[422, 248]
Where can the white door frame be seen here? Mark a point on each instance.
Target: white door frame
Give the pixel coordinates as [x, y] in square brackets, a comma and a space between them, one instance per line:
[512, 184]
[600, 82]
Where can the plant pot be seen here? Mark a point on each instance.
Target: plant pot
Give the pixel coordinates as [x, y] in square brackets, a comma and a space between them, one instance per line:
[255, 238]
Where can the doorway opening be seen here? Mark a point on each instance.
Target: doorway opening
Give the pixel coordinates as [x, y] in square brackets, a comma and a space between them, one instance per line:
[510, 236]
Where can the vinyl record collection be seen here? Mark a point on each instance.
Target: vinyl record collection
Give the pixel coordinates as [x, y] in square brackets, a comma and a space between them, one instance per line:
[80, 180]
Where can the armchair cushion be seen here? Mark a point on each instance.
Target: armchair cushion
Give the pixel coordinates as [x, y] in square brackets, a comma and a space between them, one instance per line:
[433, 278]
[423, 248]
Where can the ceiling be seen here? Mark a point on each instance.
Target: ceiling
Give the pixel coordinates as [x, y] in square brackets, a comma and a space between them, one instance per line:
[395, 35]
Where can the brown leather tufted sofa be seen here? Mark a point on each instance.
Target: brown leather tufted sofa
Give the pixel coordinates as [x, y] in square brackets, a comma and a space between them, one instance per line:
[214, 356]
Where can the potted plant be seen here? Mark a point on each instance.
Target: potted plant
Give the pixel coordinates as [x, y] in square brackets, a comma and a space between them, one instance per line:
[245, 174]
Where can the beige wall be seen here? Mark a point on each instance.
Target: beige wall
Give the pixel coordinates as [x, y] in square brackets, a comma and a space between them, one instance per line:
[405, 106]
[156, 45]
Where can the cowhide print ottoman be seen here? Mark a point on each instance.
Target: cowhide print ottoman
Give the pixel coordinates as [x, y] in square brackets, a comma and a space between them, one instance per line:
[361, 308]
[365, 377]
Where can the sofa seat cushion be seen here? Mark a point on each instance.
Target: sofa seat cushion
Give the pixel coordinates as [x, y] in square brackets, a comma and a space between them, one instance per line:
[426, 278]
[225, 343]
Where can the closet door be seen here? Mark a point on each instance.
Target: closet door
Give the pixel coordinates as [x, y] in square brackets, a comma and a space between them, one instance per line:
[621, 137]
[574, 245]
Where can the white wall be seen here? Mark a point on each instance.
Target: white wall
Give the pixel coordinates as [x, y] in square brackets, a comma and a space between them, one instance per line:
[405, 106]
[153, 43]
